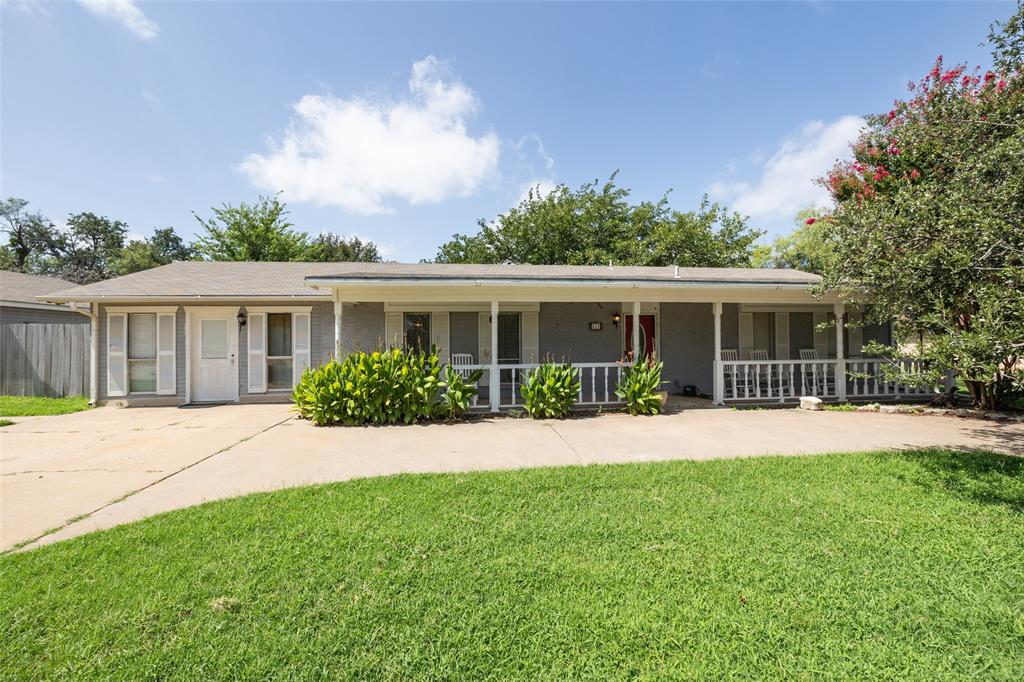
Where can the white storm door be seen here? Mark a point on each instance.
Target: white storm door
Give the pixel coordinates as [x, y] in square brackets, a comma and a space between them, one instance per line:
[215, 374]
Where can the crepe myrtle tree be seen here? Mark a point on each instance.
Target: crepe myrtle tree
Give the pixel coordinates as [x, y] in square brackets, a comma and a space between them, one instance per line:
[928, 224]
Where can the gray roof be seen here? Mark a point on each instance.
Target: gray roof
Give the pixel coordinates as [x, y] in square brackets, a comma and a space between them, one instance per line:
[583, 273]
[17, 287]
[202, 279]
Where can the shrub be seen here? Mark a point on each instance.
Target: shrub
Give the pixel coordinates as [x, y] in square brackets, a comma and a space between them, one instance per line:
[458, 392]
[639, 387]
[383, 387]
[550, 391]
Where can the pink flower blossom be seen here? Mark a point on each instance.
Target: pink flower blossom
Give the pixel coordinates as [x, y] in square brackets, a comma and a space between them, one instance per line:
[810, 221]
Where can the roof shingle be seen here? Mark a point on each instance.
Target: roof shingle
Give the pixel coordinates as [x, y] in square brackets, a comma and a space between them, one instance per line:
[204, 279]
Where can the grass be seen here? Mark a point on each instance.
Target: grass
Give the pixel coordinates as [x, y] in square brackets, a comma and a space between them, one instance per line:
[5, 422]
[30, 406]
[899, 565]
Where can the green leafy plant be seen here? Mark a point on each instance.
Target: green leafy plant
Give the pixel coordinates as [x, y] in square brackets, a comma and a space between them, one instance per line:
[458, 392]
[639, 387]
[383, 387]
[550, 391]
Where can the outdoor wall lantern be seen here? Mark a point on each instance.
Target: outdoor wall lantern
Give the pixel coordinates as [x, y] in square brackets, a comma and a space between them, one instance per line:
[615, 318]
[241, 318]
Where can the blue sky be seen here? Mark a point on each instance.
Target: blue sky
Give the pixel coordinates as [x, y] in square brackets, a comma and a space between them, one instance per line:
[404, 123]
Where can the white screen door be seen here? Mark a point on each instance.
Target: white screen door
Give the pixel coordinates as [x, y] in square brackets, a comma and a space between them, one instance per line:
[215, 375]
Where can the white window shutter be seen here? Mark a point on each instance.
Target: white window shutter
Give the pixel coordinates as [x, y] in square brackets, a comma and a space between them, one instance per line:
[257, 326]
[439, 324]
[300, 346]
[531, 342]
[484, 339]
[393, 332]
[166, 378]
[117, 362]
[820, 335]
[746, 333]
[854, 333]
[782, 336]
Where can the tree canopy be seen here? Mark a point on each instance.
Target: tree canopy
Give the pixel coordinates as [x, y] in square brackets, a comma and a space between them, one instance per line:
[333, 248]
[165, 246]
[251, 232]
[929, 219]
[805, 248]
[597, 224]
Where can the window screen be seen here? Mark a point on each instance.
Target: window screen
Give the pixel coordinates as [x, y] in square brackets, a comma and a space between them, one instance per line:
[279, 335]
[417, 332]
[279, 350]
[142, 353]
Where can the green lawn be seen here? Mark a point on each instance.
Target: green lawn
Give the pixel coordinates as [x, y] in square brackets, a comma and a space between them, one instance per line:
[876, 565]
[29, 406]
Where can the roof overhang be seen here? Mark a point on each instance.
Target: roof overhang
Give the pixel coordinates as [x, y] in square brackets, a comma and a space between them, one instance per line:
[450, 290]
[192, 300]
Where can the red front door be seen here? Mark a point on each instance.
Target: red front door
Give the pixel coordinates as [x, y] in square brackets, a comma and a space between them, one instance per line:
[647, 341]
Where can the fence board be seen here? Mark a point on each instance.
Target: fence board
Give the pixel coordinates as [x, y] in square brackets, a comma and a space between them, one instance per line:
[44, 359]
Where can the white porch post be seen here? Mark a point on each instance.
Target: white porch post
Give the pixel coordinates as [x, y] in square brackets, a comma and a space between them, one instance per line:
[636, 331]
[840, 309]
[495, 384]
[337, 326]
[719, 387]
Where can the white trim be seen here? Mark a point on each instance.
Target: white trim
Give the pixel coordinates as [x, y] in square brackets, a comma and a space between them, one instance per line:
[143, 309]
[538, 281]
[215, 312]
[256, 357]
[55, 307]
[300, 309]
[419, 307]
[425, 294]
[188, 356]
[122, 355]
[163, 355]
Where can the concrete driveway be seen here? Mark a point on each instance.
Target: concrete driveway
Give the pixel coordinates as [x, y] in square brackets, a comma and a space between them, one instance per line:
[82, 472]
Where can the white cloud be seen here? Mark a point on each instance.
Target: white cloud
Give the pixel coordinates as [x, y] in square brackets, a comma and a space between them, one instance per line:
[787, 183]
[125, 12]
[154, 178]
[357, 153]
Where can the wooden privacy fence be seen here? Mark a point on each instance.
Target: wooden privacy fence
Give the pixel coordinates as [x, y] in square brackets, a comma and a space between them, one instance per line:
[44, 359]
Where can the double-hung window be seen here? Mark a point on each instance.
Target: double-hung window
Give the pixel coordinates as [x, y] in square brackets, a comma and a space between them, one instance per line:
[279, 340]
[279, 351]
[142, 353]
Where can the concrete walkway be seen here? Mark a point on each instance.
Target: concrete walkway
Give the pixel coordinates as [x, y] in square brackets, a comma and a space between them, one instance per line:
[91, 470]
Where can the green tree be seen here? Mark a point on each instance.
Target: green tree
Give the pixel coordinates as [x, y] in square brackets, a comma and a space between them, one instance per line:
[928, 221]
[251, 232]
[20, 226]
[165, 246]
[597, 224]
[805, 248]
[333, 248]
[83, 251]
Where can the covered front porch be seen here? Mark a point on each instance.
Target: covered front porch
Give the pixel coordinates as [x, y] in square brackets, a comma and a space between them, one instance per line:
[733, 346]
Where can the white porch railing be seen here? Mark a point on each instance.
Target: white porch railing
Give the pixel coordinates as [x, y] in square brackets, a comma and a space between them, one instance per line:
[598, 381]
[785, 380]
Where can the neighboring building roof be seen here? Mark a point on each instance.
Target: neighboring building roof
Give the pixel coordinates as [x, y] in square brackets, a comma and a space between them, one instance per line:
[20, 290]
[252, 280]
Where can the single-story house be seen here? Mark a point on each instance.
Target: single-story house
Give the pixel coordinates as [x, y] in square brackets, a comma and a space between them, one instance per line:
[44, 346]
[244, 332]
